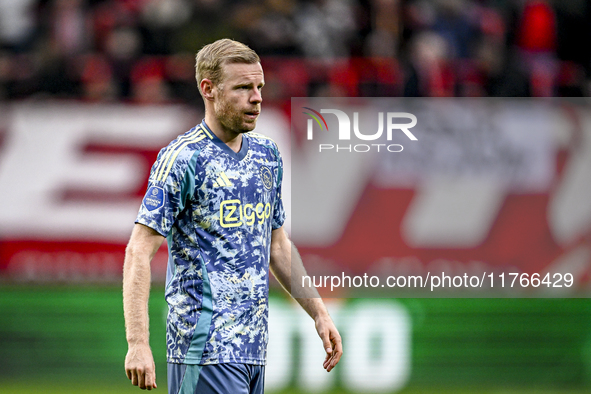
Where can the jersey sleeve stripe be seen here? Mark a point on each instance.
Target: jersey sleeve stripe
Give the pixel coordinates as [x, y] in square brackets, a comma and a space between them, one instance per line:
[169, 152]
[197, 138]
[174, 148]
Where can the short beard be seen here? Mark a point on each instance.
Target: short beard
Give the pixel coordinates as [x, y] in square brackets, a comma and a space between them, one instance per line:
[230, 119]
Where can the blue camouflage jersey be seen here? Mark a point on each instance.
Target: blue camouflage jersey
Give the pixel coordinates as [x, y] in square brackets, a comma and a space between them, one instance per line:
[217, 209]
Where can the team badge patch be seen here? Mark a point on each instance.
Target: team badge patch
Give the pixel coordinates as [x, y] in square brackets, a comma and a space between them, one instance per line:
[154, 198]
[266, 177]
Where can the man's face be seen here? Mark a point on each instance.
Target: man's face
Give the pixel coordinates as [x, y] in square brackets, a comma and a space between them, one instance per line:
[238, 100]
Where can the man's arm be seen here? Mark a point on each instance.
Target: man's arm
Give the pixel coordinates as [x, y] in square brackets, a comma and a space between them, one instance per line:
[139, 362]
[285, 262]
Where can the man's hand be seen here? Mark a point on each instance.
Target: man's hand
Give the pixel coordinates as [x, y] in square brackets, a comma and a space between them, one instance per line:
[140, 368]
[286, 265]
[331, 339]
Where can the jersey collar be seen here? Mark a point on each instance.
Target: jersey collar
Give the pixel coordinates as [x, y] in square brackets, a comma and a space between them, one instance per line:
[222, 145]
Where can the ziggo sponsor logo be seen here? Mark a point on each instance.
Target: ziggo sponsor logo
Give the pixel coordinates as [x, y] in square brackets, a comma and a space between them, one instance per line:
[344, 131]
[233, 213]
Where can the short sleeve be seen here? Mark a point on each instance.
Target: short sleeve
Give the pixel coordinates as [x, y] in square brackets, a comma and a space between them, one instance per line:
[169, 184]
[278, 210]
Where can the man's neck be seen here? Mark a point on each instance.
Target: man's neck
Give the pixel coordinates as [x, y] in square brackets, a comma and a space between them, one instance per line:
[233, 140]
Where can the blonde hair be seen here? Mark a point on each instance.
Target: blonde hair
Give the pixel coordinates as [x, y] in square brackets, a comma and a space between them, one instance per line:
[210, 59]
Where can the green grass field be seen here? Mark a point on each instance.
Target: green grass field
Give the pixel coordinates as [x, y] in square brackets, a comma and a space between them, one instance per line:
[71, 339]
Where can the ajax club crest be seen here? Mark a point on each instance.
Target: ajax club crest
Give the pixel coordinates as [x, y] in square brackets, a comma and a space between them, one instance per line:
[266, 177]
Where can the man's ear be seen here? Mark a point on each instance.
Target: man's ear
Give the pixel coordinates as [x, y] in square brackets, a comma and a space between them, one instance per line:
[207, 89]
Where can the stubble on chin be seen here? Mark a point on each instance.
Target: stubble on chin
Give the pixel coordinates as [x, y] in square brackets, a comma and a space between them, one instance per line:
[233, 120]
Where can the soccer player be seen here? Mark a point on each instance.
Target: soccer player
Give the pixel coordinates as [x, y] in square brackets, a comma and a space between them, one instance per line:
[215, 194]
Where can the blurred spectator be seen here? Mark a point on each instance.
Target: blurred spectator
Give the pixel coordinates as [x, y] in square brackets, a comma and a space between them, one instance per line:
[104, 50]
[69, 27]
[210, 20]
[17, 24]
[383, 41]
[5, 74]
[495, 70]
[429, 72]
[97, 79]
[500, 74]
[160, 19]
[325, 28]
[536, 38]
[180, 73]
[269, 28]
[123, 46]
[147, 82]
[456, 23]
[20, 77]
[573, 27]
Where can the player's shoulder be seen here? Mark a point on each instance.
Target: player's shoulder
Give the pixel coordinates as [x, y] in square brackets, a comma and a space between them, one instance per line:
[189, 140]
[179, 152]
[185, 144]
[263, 140]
